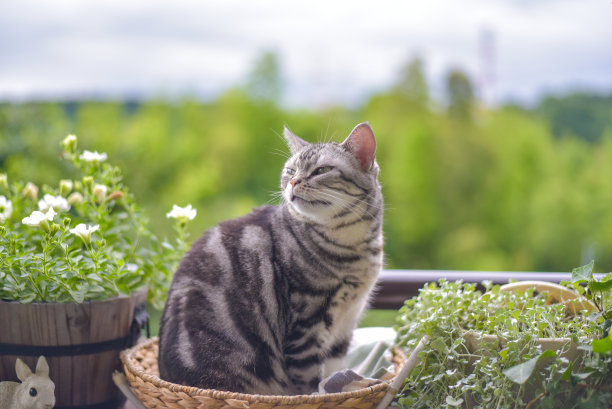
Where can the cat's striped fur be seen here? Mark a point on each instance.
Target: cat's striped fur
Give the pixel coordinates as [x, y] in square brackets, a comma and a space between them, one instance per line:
[267, 303]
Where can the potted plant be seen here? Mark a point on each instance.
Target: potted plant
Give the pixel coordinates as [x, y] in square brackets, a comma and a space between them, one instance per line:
[509, 349]
[77, 261]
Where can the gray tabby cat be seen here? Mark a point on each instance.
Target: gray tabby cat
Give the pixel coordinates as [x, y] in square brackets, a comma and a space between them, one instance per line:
[267, 303]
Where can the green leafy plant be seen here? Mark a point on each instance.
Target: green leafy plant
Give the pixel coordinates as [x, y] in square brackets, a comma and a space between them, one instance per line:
[85, 239]
[513, 371]
[598, 291]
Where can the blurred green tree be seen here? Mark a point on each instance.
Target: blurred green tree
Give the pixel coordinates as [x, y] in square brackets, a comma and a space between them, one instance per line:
[502, 194]
[412, 85]
[265, 82]
[580, 114]
[460, 95]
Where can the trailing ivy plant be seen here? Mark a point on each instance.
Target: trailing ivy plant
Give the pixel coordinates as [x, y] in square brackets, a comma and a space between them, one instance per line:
[514, 372]
[84, 239]
[599, 292]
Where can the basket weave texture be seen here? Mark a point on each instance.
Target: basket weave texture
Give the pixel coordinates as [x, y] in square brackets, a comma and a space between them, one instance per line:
[140, 364]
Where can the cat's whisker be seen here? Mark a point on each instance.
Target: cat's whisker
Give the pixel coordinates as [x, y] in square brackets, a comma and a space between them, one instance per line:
[325, 138]
[276, 197]
[281, 153]
[280, 136]
[356, 207]
[355, 203]
[339, 199]
[327, 135]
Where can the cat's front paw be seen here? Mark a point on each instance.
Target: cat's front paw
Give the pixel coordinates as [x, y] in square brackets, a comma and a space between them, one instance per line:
[345, 381]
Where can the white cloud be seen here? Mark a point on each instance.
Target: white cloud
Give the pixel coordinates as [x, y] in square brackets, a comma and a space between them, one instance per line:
[330, 50]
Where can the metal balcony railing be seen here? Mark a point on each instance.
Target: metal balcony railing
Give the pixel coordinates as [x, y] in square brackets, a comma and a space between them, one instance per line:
[395, 286]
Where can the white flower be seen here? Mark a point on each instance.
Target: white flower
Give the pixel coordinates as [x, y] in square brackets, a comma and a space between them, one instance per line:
[94, 156]
[182, 213]
[41, 219]
[56, 202]
[6, 208]
[84, 231]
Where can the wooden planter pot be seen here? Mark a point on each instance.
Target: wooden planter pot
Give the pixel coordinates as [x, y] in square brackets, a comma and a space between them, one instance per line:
[556, 294]
[80, 341]
[565, 347]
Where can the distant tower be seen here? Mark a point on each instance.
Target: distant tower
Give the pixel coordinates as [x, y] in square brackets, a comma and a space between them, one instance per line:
[318, 90]
[487, 60]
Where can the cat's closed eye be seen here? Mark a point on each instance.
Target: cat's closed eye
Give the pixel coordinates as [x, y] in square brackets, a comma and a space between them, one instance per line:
[322, 170]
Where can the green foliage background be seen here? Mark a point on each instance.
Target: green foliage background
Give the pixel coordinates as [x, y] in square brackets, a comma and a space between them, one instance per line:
[465, 187]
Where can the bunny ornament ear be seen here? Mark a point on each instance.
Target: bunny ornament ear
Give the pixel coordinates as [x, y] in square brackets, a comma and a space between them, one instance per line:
[42, 367]
[22, 370]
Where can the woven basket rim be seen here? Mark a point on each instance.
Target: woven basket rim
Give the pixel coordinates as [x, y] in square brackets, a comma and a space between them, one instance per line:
[127, 357]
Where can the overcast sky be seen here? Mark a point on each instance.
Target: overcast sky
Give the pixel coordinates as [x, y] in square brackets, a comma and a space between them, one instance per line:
[330, 50]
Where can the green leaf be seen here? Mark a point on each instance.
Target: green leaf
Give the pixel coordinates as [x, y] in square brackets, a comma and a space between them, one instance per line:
[567, 374]
[452, 401]
[520, 373]
[600, 285]
[603, 346]
[27, 297]
[78, 295]
[438, 345]
[94, 277]
[584, 273]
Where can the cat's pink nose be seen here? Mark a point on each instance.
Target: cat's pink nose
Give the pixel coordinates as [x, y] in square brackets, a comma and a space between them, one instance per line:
[295, 182]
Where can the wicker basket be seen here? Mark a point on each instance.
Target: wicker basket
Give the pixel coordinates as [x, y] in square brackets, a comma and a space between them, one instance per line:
[140, 364]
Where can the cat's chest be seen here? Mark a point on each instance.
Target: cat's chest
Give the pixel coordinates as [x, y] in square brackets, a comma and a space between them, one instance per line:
[339, 313]
[345, 310]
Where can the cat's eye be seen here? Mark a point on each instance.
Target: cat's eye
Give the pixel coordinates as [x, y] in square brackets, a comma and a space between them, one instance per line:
[290, 171]
[33, 392]
[322, 170]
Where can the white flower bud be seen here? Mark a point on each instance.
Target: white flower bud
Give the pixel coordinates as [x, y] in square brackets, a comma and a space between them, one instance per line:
[65, 187]
[69, 143]
[88, 181]
[30, 191]
[75, 198]
[99, 192]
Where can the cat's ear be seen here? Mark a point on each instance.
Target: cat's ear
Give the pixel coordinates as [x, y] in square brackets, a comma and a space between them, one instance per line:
[294, 142]
[362, 144]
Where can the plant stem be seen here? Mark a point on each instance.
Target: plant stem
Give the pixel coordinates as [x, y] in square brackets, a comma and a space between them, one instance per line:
[535, 400]
[48, 244]
[40, 294]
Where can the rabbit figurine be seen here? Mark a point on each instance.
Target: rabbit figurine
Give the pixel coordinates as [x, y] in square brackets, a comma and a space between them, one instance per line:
[36, 390]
